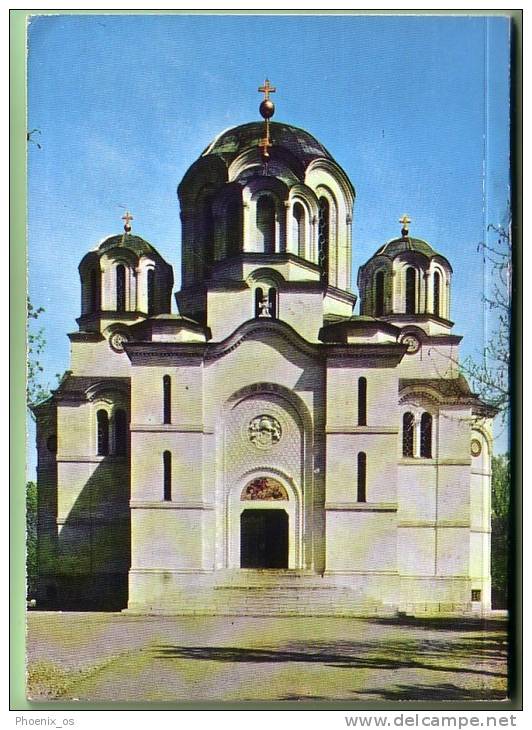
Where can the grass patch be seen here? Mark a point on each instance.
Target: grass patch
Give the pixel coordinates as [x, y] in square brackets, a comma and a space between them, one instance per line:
[47, 681]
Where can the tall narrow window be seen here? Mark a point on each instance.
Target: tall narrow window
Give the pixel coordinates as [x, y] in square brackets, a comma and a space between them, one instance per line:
[298, 228]
[120, 288]
[361, 477]
[362, 401]
[410, 291]
[103, 432]
[436, 291]
[120, 424]
[425, 450]
[408, 435]
[323, 237]
[167, 476]
[259, 295]
[266, 223]
[94, 294]
[151, 291]
[272, 301]
[167, 399]
[379, 294]
[234, 228]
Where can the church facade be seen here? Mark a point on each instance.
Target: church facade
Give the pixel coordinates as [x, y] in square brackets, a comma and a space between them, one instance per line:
[265, 450]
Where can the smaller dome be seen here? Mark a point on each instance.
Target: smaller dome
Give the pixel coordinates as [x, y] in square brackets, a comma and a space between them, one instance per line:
[400, 245]
[134, 243]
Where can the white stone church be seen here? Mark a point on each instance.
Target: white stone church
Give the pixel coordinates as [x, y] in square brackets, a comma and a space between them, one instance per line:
[265, 450]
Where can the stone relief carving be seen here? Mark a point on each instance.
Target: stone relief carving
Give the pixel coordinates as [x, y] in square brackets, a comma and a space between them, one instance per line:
[264, 431]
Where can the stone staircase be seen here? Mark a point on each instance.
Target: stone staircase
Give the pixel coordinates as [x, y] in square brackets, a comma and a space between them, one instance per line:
[291, 600]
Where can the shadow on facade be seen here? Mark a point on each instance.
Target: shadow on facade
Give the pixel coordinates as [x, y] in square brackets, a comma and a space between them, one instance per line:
[84, 561]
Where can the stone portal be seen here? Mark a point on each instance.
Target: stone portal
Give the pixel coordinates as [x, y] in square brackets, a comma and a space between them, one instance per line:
[264, 538]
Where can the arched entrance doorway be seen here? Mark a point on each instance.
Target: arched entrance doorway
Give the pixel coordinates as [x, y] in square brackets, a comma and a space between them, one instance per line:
[264, 538]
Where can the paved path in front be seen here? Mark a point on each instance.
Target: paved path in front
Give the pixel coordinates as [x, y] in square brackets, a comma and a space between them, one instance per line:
[243, 658]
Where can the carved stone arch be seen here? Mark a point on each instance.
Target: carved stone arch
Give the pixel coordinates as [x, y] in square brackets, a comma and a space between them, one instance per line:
[338, 175]
[481, 451]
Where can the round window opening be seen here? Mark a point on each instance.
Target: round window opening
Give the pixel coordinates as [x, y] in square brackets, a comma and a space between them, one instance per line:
[117, 340]
[264, 488]
[476, 447]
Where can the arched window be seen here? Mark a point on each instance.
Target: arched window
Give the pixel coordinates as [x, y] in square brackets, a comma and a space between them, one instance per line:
[324, 216]
[272, 301]
[120, 424]
[234, 228]
[408, 435]
[410, 307]
[120, 288]
[436, 292]
[167, 399]
[151, 291]
[103, 432]
[425, 450]
[298, 228]
[167, 476]
[361, 477]
[94, 293]
[266, 223]
[379, 294]
[362, 401]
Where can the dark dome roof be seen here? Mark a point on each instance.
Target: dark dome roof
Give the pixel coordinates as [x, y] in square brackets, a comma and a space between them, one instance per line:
[400, 245]
[134, 243]
[232, 142]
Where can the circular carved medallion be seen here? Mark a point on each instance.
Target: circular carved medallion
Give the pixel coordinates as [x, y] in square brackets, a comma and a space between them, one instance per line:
[476, 447]
[116, 340]
[264, 431]
[412, 342]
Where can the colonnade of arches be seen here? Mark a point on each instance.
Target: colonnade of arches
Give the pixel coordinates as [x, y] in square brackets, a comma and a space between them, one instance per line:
[267, 221]
[407, 288]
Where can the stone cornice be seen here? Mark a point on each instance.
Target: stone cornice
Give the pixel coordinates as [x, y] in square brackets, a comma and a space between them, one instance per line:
[393, 430]
[151, 504]
[166, 427]
[361, 506]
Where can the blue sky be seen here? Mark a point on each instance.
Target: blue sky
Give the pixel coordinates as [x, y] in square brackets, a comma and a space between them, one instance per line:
[415, 109]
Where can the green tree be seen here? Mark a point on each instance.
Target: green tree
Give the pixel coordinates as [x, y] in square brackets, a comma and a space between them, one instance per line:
[35, 390]
[31, 537]
[500, 533]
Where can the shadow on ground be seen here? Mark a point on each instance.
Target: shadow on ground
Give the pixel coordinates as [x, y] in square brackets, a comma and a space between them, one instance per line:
[469, 657]
[445, 691]
[437, 623]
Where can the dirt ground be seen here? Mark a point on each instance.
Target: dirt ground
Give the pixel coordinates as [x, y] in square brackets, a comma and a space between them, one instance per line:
[105, 657]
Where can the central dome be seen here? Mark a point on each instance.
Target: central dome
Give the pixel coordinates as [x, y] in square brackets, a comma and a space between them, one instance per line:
[230, 143]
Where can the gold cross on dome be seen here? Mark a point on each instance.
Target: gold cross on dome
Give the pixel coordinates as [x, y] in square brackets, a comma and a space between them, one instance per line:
[127, 218]
[405, 220]
[267, 89]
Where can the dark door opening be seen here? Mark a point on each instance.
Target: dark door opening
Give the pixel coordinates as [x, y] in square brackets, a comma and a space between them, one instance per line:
[264, 538]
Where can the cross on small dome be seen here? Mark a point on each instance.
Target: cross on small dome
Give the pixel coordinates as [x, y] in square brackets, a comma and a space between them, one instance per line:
[127, 218]
[405, 220]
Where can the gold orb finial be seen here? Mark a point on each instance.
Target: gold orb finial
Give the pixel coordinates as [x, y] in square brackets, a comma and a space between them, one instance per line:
[267, 110]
